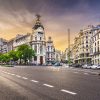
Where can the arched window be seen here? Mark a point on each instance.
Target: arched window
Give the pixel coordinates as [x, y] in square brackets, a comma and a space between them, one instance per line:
[35, 48]
[40, 38]
[35, 38]
[41, 49]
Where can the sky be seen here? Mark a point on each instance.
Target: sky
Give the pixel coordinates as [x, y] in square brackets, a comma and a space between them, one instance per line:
[18, 17]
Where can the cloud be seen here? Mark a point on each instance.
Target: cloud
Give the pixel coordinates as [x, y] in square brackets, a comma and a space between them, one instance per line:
[57, 16]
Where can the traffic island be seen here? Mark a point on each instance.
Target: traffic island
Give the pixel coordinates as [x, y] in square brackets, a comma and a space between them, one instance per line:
[7, 65]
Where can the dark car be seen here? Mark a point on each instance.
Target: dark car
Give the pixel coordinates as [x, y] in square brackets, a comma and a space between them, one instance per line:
[57, 64]
[76, 65]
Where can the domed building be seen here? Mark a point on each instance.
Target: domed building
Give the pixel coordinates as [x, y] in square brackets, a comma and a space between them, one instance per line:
[38, 42]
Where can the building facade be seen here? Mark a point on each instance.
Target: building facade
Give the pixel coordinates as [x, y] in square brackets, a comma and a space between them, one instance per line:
[44, 50]
[86, 47]
[3, 46]
[20, 40]
[95, 45]
[58, 56]
[50, 52]
[38, 42]
[82, 46]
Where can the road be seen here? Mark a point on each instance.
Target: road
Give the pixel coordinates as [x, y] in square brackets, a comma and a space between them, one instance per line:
[48, 83]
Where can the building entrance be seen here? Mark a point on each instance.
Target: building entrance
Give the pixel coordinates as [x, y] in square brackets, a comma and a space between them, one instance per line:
[41, 60]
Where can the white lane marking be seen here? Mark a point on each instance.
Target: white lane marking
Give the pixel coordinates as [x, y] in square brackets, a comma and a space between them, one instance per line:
[48, 85]
[25, 78]
[3, 71]
[94, 73]
[13, 74]
[35, 81]
[75, 72]
[8, 73]
[18, 76]
[67, 91]
[86, 73]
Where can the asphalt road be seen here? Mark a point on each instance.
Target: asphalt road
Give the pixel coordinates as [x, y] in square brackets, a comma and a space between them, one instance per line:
[48, 83]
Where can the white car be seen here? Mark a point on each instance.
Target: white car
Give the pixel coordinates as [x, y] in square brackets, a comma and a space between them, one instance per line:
[86, 66]
[65, 65]
[94, 66]
[98, 67]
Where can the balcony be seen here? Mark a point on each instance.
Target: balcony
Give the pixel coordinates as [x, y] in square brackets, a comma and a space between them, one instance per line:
[97, 53]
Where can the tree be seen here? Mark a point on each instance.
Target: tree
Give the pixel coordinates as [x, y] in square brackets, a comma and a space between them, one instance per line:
[69, 60]
[1, 57]
[26, 53]
[5, 58]
[13, 55]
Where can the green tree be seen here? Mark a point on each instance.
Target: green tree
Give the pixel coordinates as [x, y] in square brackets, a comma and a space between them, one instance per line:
[0, 57]
[26, 53]
[5, 58]
[13, 55]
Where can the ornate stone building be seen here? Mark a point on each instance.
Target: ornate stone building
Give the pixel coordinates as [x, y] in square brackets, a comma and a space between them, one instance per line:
[95, 45]
[86, 47]
[3, 46]
[50, 52]
[38, 42]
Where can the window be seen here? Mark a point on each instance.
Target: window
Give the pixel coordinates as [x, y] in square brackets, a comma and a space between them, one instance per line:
[87, 46]
[86, 41]
[95, 44]
[98, 49]
[86, 36]
[95, 49]
[48, 55]
[35, 58]
[40, 32]
[98, 42]
[40, 38]
[35, 38]
[48, 48]
[87, 55]
[41, 49]
[35, 48]
[98, 36]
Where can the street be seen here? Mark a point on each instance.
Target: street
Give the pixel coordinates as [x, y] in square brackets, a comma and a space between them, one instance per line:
[48, 83]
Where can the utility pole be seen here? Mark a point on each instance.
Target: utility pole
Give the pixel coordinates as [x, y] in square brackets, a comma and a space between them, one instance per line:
[69, 47]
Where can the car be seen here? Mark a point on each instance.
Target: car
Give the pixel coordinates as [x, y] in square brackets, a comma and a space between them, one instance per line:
[98, 67]
[76, 65]
[57, 64]
[84, 66]
[64, 65]
[87, 66]
[94, 66]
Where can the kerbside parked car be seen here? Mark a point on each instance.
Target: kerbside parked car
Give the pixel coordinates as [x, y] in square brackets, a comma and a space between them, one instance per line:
[88, 66]
[76, 65]
[94, 66]
[98, 67]
[84, 66]
[58, 64]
